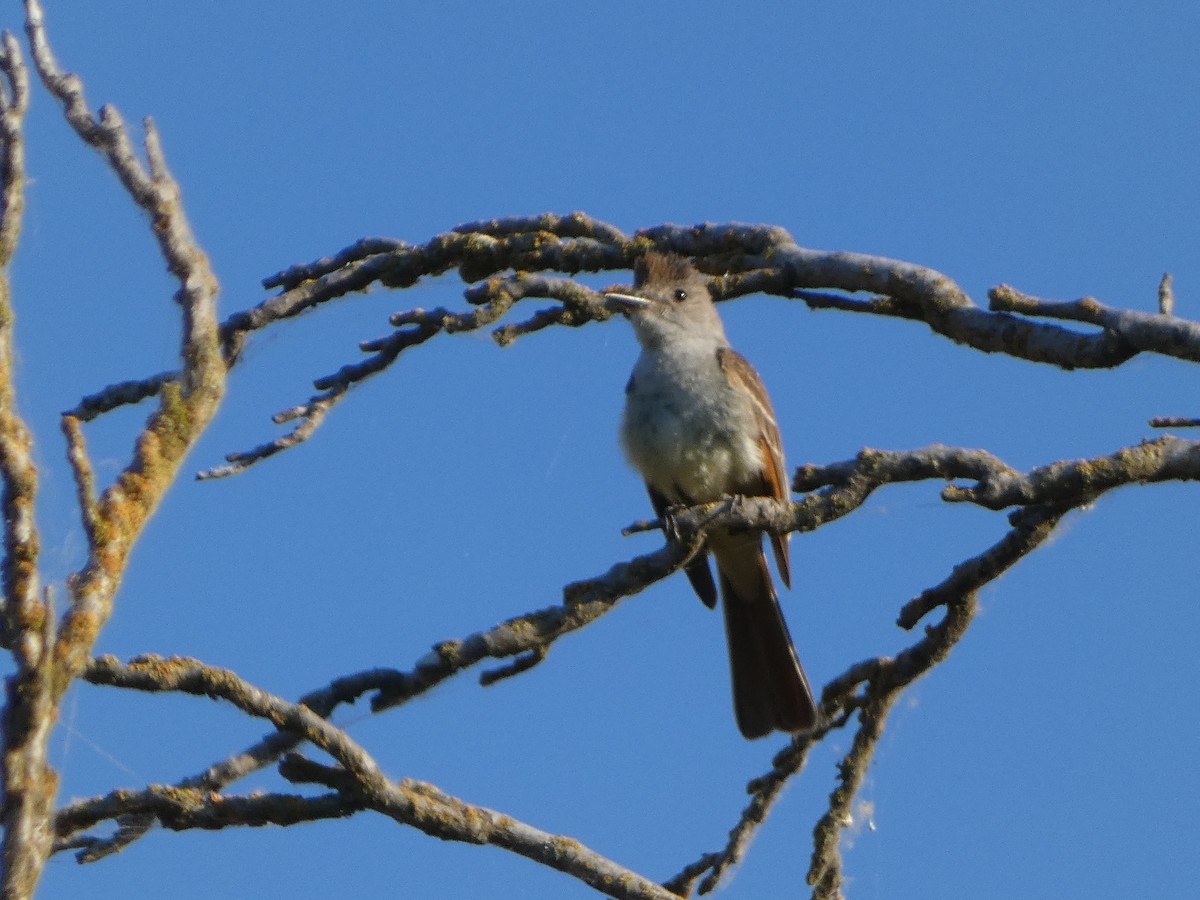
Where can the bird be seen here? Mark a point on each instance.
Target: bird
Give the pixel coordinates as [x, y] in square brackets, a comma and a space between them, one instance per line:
[698, 426]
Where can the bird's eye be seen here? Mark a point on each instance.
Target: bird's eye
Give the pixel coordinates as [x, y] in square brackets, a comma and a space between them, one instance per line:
[680, 295]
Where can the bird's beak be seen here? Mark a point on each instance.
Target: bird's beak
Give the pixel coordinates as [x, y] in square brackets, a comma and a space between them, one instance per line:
[625, 303]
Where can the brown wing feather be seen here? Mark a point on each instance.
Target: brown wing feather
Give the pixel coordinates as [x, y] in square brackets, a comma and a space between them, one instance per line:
[777, 488]
[773, 477]
[698, 572]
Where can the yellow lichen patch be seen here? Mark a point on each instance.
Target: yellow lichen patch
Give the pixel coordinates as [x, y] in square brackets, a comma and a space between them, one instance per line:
[449, 652]
[524, 629]
[565, 846]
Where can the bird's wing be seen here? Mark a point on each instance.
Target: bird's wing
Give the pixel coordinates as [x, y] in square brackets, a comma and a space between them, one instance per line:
[773, 481]
[698, 572]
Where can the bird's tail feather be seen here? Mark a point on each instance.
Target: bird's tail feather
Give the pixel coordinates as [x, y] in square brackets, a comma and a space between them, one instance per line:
[770, 690]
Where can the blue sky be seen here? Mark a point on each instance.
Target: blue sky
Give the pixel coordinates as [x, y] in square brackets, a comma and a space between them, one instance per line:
[1050, 146]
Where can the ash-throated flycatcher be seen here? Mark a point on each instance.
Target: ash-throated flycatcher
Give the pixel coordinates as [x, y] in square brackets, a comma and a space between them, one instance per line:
[699, 426]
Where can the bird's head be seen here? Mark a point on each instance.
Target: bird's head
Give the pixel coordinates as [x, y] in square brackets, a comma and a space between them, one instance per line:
[669, 301]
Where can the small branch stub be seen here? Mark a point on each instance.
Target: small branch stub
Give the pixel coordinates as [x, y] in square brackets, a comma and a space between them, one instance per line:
[1166, 295]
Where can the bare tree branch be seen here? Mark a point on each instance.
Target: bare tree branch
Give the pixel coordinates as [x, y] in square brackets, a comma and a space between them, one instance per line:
[882, 680]
[186, 405]
[125, 393]
[409, 802]
[29, 784]
[135, 825]
[22, 627]
[958, 593]
[85, 478]
[998, 487]
[748, 258]
[529, 634]
[42, 676]
[1149, 332]
[182, 809]
[504, 262]
[310, 416]
[1174, 422]
[1042, 496]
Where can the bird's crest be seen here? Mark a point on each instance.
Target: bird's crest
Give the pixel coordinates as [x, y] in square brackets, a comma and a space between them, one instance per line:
[662, 268]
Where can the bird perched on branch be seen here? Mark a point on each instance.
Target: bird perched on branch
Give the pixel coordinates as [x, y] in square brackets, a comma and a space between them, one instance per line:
[698, 426]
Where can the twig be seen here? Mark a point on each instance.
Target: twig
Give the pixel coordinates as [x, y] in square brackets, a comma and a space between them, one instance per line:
[181, 808]
[311, 415]
[85, 477]
[1137, 331]
[356, 252]
[124, 393]
[572, 225]
[1166, 296]
[1174, 422]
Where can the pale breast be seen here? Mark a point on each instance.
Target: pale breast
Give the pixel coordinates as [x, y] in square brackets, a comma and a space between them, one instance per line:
[687, 433]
